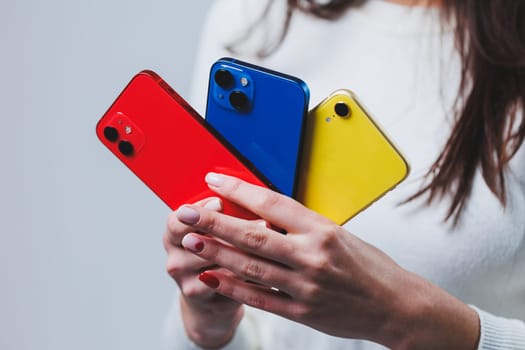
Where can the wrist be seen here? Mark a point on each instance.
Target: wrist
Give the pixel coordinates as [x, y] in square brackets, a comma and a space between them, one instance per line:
[208, 328]
[427, 317]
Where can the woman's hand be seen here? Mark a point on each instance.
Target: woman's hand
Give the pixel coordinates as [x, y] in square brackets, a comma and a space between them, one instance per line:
[319, 274]
[209, 318]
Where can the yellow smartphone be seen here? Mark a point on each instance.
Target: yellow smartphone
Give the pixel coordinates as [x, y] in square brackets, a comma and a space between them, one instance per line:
[348, 161]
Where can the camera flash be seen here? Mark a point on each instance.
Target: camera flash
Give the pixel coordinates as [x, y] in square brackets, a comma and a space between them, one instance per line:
[244, 81]
[128, 130]
[328, 119]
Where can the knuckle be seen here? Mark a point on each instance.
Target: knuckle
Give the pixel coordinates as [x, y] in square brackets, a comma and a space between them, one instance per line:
[178, 265]
[300, 312]
[254, 239]
[173, 224]
[190, 290]
[209, 222]
[170, 241]
[311, 292]
[233, 187]
[288, 248]
[329, 237]
[320, 265]
[255, 300]
[243, 296]
[253, 270]
[174, 268]
[267, 200]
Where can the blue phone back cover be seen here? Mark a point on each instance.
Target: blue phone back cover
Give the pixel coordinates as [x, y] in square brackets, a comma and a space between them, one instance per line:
[269, 132]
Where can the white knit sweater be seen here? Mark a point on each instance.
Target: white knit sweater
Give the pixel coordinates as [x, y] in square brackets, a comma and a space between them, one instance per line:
[403, 65]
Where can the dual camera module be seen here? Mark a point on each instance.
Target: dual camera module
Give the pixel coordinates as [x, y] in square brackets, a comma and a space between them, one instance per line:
[237, 98]
[112, 135]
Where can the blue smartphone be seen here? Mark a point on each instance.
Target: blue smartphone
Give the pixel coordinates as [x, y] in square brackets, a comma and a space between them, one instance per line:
[262, 114]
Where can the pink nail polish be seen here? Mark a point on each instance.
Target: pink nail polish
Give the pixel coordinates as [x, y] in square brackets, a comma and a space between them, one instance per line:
[214, 179]
[192, 243]
[188, 215]
[214, 204]
[210, 280]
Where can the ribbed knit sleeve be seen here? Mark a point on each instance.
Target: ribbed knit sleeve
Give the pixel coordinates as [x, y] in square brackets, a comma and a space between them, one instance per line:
[498, 333]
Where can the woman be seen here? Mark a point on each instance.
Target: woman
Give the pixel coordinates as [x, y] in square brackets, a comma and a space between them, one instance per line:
[438, 263]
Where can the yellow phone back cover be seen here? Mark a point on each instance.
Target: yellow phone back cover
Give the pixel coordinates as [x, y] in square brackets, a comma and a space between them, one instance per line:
[348, 162]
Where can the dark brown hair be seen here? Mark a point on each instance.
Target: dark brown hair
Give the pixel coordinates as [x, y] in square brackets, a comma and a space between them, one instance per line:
[489, 126]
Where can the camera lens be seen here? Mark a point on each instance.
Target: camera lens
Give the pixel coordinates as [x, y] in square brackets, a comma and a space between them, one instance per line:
[224, 79]
[126, 148]
[342, 109]
[110, 133]
[239, 101]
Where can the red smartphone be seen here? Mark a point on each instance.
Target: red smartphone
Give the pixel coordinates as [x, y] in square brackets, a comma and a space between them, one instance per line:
[168, 145]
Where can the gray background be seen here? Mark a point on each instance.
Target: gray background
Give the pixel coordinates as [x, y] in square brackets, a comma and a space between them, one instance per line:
[81, 259]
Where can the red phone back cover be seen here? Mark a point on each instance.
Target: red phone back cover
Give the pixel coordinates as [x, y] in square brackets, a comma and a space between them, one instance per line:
[174, 148]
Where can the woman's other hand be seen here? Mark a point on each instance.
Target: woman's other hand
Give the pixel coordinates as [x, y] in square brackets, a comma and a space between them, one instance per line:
[210, 319]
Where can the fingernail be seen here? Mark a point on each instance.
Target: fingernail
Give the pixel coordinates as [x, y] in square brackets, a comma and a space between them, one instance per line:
[192, 243]
[210, 280]
[263, 223]
[214, 179]
[188, 215]
[214, 204]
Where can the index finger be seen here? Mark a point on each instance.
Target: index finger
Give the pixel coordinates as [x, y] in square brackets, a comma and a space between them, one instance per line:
[278, 209]
[249, 236]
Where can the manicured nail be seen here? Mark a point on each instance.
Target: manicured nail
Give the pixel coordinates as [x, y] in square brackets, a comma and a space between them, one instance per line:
[263, 223]
[188, 215]
[214, 204]
[214, 179]
[193, 243]
[210, 280]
